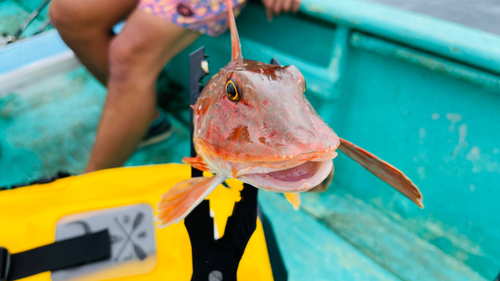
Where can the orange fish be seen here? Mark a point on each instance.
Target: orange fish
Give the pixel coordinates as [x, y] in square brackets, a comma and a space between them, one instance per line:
[252, 122]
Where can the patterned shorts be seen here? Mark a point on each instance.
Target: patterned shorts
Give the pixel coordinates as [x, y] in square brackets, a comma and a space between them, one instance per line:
[204, 16]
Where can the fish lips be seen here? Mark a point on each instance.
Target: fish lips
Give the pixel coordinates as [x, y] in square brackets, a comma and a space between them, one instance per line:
[289, 176]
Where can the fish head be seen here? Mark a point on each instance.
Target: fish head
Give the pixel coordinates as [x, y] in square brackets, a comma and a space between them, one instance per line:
[254, 122]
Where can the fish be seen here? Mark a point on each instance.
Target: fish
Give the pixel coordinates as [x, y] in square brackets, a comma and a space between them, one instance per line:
[253, 123]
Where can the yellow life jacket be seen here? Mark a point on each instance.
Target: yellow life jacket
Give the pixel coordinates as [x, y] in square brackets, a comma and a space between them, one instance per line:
[41, 214]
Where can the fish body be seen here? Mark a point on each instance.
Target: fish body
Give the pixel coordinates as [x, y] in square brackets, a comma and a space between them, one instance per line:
[252, 122]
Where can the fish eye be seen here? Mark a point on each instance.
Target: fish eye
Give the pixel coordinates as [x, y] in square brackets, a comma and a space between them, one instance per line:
[232, 91]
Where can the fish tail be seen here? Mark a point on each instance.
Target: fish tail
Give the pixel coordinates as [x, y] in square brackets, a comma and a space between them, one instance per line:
[383, 170]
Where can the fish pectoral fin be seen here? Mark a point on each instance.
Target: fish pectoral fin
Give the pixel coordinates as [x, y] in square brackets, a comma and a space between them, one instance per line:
[196, 162]
[294, 199]
[385, 171]
[183, 197]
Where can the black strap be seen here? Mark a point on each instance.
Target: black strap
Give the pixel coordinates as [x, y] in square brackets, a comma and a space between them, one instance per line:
[221, 257]
[60, 255]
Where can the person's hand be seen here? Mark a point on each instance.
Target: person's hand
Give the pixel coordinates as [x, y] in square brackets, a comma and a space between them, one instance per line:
[275, 7]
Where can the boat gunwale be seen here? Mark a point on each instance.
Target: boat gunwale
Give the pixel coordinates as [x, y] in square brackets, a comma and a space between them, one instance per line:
[451, 40]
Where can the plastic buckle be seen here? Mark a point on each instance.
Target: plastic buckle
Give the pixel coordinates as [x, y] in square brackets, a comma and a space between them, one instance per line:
[4, 263]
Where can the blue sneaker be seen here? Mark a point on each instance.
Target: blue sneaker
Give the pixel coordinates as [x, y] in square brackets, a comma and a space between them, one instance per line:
[159, 131]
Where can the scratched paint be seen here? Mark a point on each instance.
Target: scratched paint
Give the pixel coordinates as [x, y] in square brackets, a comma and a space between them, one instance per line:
[453, 118]
[482, 162]
[60, 117]
[14, 13]
[438, 137]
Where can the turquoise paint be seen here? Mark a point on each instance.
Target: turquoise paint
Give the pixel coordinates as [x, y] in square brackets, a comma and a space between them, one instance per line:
[443, 38]
[401, 251]
[433, 129]
[59, 117]
[418, 92]
[481, 78]
[14, 13]
[30, 5]
[56, 115]
[311, 251]
[22, 53]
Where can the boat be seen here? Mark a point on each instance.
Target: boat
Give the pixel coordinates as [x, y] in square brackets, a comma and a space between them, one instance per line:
[419, 92]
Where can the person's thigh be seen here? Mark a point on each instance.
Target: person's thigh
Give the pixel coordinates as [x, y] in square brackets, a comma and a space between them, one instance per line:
[78, 15]
[146, 44]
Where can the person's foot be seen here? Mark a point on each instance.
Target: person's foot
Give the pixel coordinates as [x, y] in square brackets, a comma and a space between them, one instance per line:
[159, 131]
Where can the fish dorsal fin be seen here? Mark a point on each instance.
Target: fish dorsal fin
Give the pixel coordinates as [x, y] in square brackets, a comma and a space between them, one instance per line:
[383, 170]
[235, 39]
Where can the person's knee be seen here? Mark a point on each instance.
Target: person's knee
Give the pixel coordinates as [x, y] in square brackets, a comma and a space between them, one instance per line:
[122, 58]
[131, 59]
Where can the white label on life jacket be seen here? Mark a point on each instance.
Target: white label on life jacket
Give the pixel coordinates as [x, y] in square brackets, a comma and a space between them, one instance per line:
[133, 241]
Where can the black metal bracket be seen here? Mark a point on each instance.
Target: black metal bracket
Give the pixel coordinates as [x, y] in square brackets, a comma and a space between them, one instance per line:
[196, 74]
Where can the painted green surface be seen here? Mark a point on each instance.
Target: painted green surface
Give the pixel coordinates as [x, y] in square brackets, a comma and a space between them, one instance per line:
[422, 94]
[51, 126]
[437, 36]
[312, 252]
[444, 134]
[14, 13]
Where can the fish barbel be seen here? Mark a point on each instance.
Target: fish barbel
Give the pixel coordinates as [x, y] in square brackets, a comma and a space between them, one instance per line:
[252, 122]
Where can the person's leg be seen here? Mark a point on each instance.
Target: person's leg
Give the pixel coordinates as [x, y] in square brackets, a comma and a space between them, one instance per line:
[86, 27]
[136, 57]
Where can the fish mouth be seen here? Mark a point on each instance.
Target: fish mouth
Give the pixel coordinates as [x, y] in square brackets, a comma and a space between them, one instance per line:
[298, 178]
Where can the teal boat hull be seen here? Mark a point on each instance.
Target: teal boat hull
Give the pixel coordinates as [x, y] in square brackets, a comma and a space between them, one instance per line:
[420, 93]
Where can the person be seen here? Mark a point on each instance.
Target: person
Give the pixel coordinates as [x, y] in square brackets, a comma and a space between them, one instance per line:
[129, 63]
